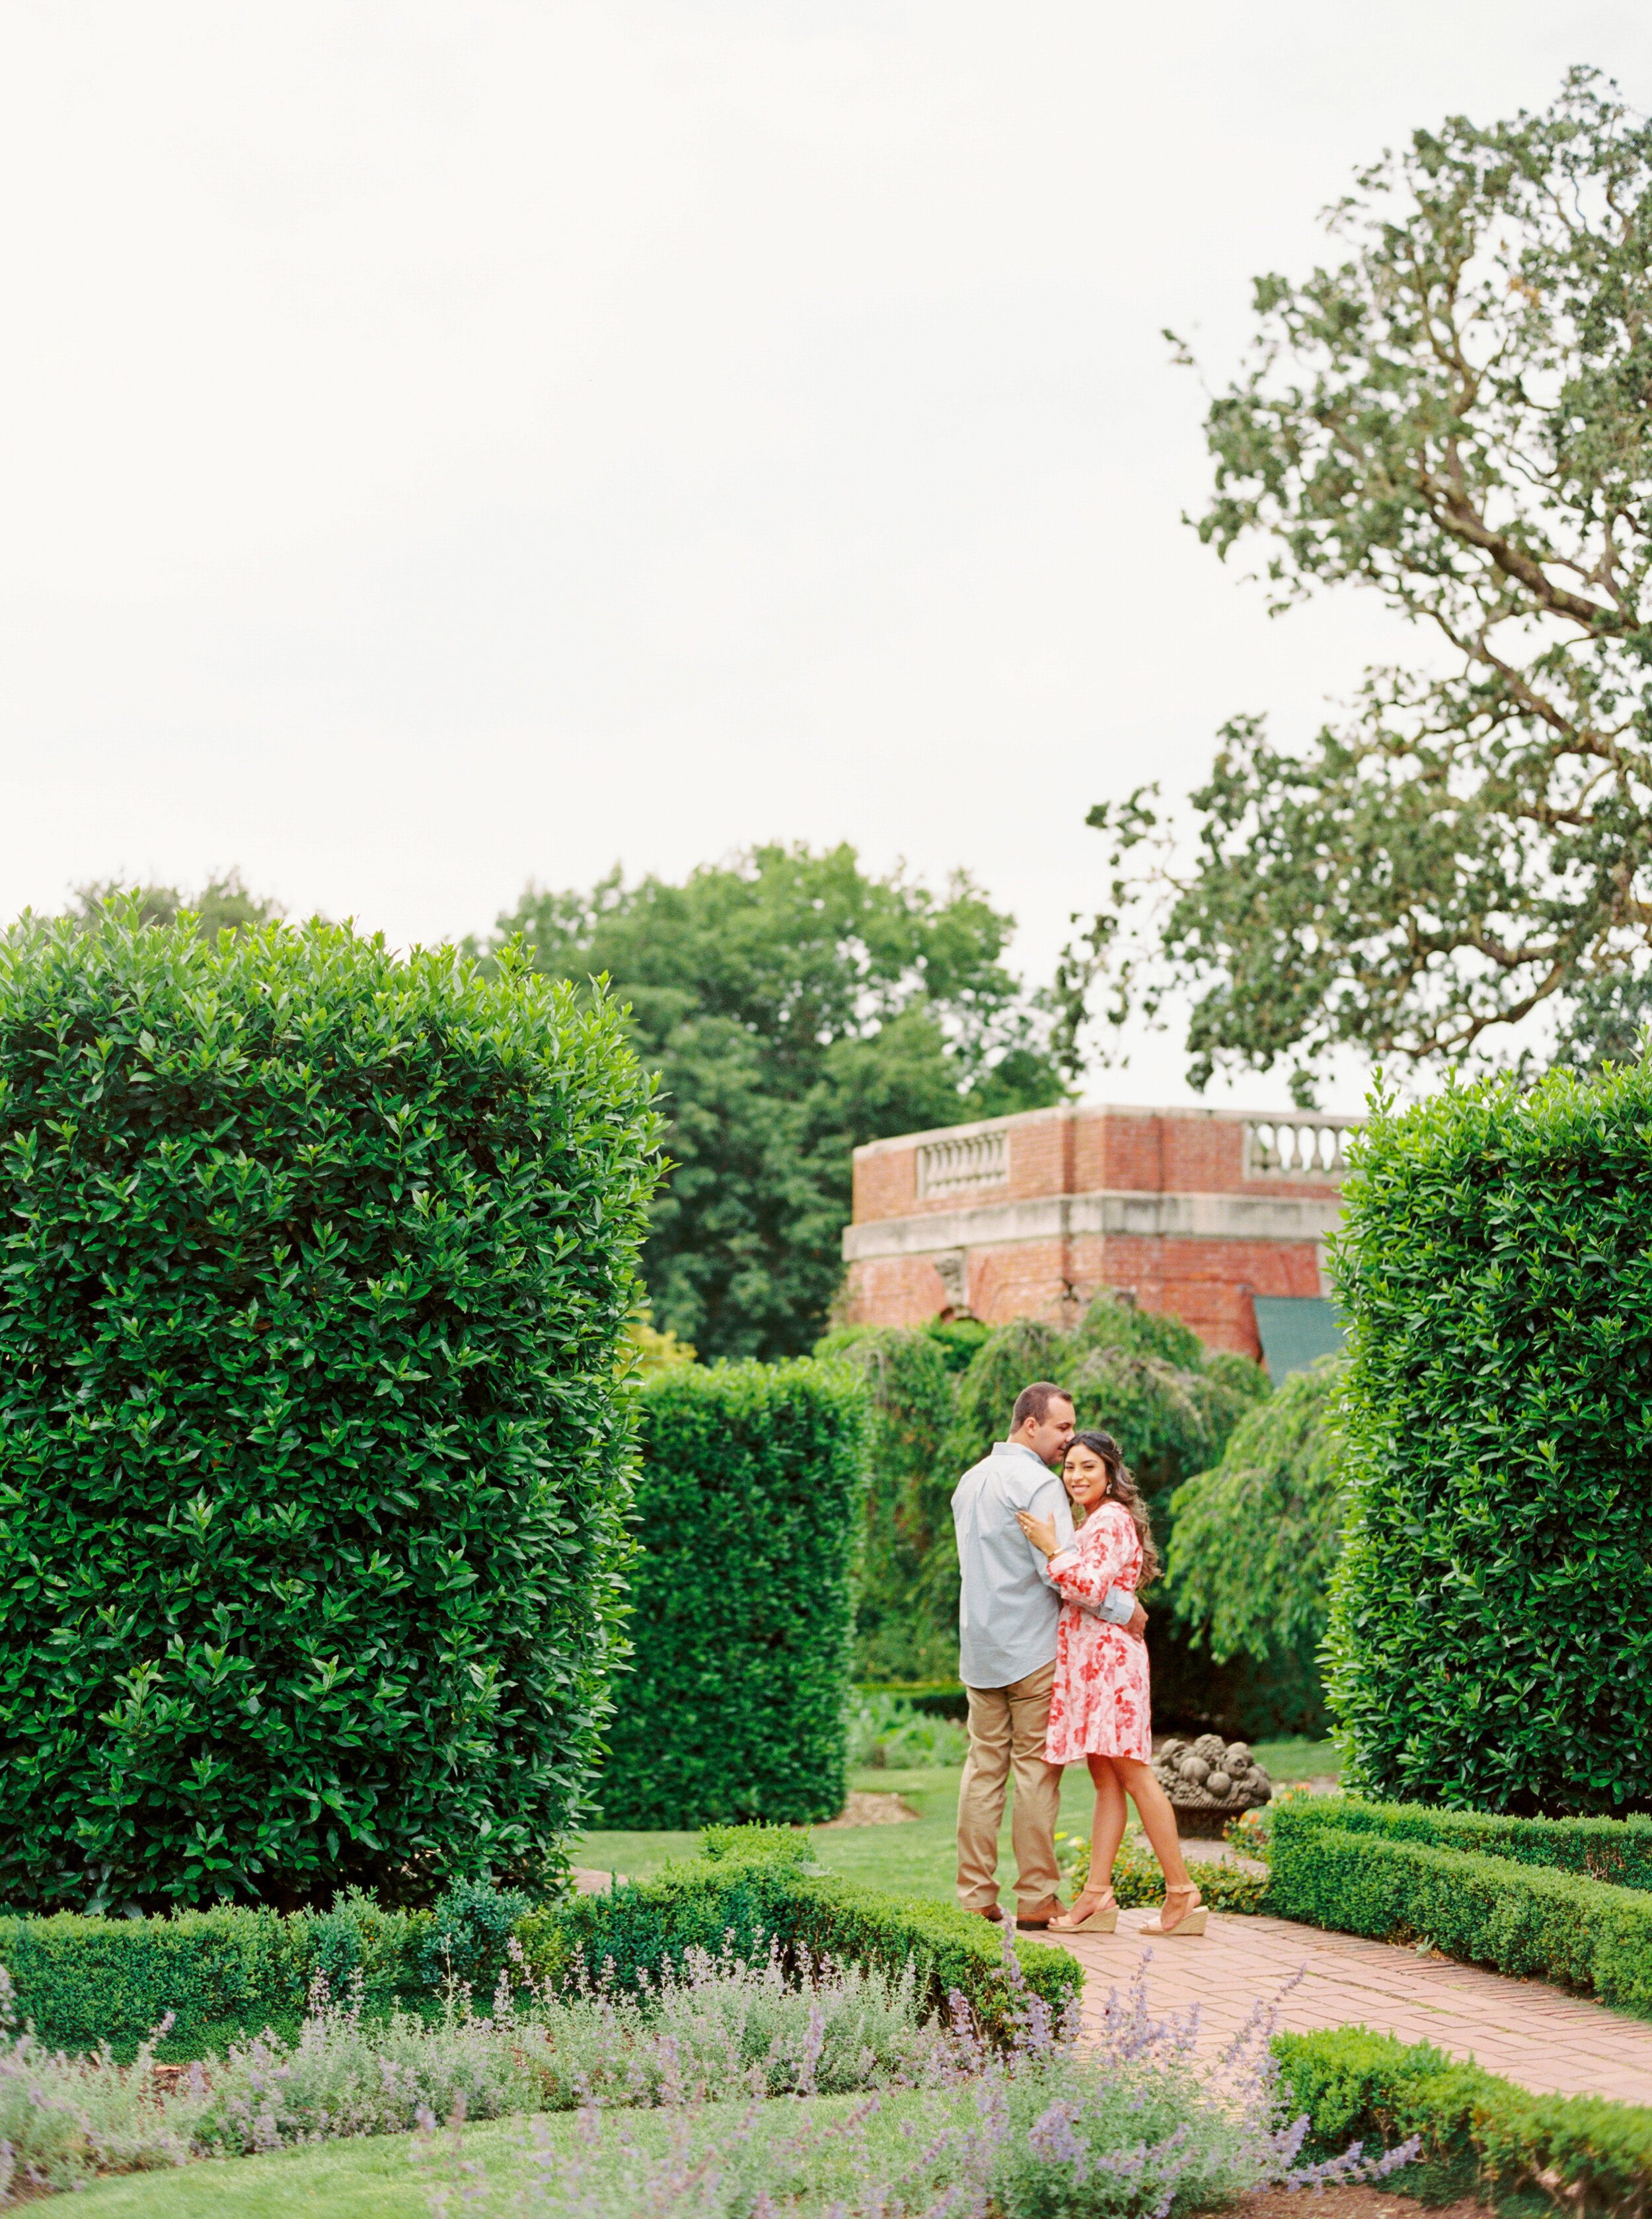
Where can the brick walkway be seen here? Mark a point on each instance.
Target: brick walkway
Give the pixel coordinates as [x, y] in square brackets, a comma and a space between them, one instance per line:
[1523, 2029]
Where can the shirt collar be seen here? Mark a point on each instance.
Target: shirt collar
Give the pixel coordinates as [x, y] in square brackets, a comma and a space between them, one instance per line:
[1020, 1448]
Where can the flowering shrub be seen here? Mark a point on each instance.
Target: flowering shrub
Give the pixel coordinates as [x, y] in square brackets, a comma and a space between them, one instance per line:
[1131, 2123]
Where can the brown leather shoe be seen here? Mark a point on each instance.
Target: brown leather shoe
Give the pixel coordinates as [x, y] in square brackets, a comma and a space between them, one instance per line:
[1034, 1921]
[993, 1913]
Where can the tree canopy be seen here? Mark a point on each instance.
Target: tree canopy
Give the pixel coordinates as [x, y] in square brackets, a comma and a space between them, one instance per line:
[1457, 416]
[223, 904]
[795, 1007]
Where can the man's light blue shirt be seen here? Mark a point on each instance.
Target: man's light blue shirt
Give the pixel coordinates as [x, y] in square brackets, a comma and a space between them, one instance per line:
[1008, 1606]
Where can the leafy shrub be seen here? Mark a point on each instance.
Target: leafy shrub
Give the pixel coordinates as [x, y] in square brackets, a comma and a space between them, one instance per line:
[469, 1933]
[751, 1499]
[83, 1980]
[899, 1632]
[885, 1730]
[756, 1883]
[1478, 2135]
[1495, 1267]
[1527, 1920]
[312, 1460]
[934, 1699]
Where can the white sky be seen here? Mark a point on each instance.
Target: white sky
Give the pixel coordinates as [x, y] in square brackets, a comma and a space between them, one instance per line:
[448, 445]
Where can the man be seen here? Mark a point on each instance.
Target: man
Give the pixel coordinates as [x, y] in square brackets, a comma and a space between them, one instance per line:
[1008, 1610]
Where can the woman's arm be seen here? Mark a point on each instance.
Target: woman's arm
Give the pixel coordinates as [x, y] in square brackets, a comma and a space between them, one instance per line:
[1101, 1553]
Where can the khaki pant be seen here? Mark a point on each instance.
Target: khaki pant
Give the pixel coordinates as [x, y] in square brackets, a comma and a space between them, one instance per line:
[1006, 1727]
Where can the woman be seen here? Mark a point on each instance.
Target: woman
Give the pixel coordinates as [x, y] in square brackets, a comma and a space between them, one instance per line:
[1099, 1707]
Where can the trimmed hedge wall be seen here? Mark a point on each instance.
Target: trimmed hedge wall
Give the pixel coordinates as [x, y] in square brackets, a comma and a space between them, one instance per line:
[1617, 1850]
[313, 1464]
[1481, 2136]
[754, 1884]
[86, 1981]
[1527, 1920]
[753, 1480]
[1491, 1626]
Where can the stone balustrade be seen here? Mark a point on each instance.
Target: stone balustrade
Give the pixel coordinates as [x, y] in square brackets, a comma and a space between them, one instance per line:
[1306, 1145]
[969, 1163]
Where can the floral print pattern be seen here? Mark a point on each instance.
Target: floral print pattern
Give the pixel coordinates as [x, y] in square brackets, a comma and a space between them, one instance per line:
[1100, 1705]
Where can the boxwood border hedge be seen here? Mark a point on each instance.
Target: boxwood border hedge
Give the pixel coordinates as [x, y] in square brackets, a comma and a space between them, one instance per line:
[1530, 1921]
[1483, 2137]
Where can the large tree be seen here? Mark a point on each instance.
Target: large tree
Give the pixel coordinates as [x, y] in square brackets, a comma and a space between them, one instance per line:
[1458, 417]
[795, 1007]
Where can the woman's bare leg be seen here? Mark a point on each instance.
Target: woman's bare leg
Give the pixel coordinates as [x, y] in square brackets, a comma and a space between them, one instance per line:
[1106, 1828]
[1157, 1819]
[1107, 1832]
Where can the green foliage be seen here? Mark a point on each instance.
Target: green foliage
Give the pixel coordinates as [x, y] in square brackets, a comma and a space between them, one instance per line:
[1455, 418]
[1529, 1920]
[751, 1498]
[909, 1391]
[796, 1008]
[644, 1350]
[313, 1462]
[887, 1731]
[1617, 1850]
[1483, 2137]
[959, 1339]
[754, 1884]
[1491, 1630]
[1257, 1535]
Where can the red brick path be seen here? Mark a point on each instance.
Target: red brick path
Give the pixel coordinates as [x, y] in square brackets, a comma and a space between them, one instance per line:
[1527, 2032]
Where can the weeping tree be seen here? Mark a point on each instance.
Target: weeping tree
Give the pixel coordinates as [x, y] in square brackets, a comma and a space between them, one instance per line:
[1455, 415]
[1257, 1536]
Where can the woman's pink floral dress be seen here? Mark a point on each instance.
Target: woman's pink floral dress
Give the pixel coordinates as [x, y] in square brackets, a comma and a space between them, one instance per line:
[1099, 1706]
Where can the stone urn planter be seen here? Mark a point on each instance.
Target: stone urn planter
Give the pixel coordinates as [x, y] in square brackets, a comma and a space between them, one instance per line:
[1209, 1781]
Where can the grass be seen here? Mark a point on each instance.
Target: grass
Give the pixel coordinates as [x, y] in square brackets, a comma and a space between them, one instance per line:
[378, 2178]
[917, 1859]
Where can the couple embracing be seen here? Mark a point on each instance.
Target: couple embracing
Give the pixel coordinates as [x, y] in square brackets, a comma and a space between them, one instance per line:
[1051, 1654]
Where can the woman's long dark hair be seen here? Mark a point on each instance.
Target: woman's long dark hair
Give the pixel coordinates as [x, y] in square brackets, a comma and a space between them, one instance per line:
[1121, 1487]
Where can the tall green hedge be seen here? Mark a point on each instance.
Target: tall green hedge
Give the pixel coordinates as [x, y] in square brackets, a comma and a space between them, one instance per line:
[750, 1504]
[312, 1463]
[1491, 1632]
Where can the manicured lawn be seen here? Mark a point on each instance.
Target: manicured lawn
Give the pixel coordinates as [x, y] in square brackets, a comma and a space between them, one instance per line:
[377, 2179]
[916, 1858]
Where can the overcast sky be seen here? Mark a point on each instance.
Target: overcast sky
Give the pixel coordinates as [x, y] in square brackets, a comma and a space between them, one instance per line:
[442, 447]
